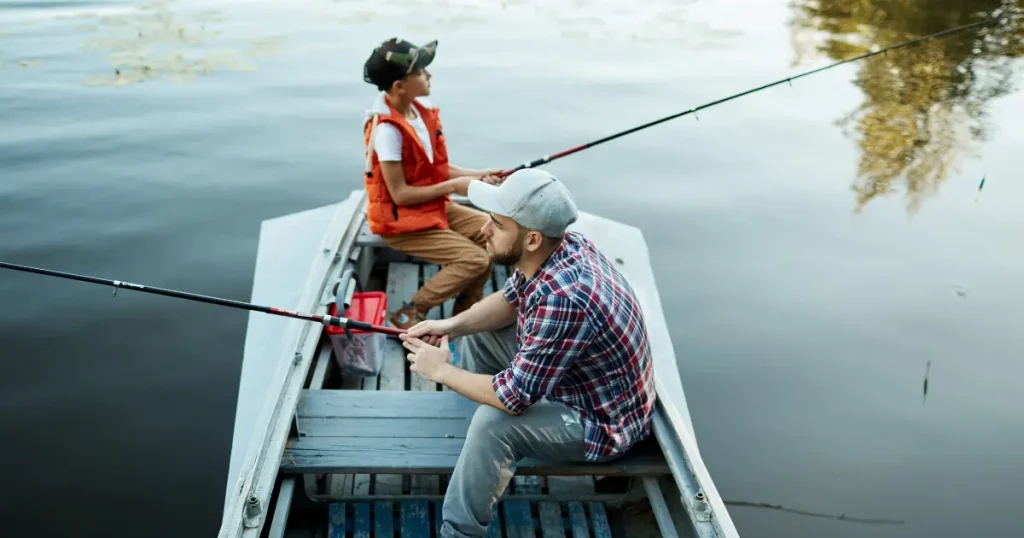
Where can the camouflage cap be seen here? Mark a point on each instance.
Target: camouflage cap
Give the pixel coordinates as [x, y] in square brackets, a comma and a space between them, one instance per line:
[394, 59]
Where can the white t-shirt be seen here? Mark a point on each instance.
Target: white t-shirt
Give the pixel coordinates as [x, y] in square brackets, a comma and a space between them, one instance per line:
[388, 140]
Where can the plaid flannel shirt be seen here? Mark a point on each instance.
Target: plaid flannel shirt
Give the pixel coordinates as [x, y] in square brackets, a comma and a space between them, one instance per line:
[582, 342]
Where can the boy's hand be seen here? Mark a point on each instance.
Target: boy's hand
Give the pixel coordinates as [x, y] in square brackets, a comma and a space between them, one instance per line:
[460, 185]
[491, 177]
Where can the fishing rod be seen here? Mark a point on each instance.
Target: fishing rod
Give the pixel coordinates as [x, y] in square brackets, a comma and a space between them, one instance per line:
[548, 158]
[334, 321]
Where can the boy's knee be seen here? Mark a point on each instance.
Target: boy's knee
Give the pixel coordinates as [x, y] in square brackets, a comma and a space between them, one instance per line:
[478, 262]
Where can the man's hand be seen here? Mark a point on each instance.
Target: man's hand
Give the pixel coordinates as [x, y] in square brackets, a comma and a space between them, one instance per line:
[434, 364]
[429, 361]
[431, 330]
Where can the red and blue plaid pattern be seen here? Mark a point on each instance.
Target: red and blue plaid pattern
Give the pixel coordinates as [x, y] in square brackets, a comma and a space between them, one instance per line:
[582, 342]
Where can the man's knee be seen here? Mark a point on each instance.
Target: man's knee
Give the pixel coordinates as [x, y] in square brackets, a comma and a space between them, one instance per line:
[489, 422]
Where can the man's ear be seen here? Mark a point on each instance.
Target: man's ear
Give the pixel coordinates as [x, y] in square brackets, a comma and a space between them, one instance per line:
[534, 241]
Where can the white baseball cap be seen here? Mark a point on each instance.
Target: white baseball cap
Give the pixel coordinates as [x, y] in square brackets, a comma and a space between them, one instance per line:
[533, 198]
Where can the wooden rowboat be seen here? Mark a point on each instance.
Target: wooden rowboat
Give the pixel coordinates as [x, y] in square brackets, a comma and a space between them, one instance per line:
[318, 453]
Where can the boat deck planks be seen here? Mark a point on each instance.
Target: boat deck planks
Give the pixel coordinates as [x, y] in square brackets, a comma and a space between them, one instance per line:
[551, 524]
[401, 285]
[361, 520]
[426, 485]
[433, 447]
[336, 525]
[421, 518]
[599, 520]
[578, 520]
[415, 518]
[518, 520]
[383, 518]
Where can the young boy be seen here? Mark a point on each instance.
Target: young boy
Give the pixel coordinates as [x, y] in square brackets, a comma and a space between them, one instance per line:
[409, 179]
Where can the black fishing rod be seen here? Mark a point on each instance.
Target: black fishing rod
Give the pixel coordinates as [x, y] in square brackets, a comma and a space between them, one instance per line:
[548, 158]
[325, 319]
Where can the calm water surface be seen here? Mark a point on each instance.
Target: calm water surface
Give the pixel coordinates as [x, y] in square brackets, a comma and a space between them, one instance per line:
[818, 247]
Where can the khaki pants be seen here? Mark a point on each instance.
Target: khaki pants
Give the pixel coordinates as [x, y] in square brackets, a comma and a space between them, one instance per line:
[459, 250]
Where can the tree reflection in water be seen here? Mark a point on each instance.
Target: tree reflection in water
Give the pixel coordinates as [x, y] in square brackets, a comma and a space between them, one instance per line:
[925, 105]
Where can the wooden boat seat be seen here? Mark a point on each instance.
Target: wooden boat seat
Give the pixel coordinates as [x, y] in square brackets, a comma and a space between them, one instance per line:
[412, 432]
[367, 239]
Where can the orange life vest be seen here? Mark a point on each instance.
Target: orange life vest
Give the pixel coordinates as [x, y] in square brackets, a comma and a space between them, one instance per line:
[384, 216]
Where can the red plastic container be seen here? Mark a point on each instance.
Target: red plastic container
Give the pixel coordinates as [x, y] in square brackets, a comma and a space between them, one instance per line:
[363, 353]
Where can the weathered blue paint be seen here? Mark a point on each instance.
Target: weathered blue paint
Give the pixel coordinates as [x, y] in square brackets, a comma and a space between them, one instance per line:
[415, 519]
[518, 520]
[383, 519]
[494, 529]
[552, 524]
[336, 521]
[578, 521]
[361, 520]
[599, 521]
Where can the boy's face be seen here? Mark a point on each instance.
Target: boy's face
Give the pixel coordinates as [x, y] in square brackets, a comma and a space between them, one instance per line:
[415, 84]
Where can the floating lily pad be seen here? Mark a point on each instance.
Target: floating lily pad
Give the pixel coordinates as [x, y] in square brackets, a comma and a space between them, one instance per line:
[156, 41]
[117, 79]
[263, 47]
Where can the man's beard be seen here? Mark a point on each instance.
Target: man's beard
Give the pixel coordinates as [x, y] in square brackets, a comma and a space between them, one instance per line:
[513, 254]
[510, 256]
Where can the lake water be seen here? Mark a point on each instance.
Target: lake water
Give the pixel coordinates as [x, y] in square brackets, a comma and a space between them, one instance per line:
[812, 271]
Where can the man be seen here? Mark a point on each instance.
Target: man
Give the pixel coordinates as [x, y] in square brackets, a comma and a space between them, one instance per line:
[559, 358]
[409, 180]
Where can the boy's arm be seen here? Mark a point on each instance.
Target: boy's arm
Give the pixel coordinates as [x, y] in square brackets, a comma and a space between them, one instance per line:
[388, 146]
[404, 194]
[458, 171]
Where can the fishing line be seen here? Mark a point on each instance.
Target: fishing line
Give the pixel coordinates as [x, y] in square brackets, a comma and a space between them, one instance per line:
[548, 158]
[324, 319]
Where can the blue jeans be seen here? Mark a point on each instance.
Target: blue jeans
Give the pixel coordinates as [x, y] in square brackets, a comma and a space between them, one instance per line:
[496, 440]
